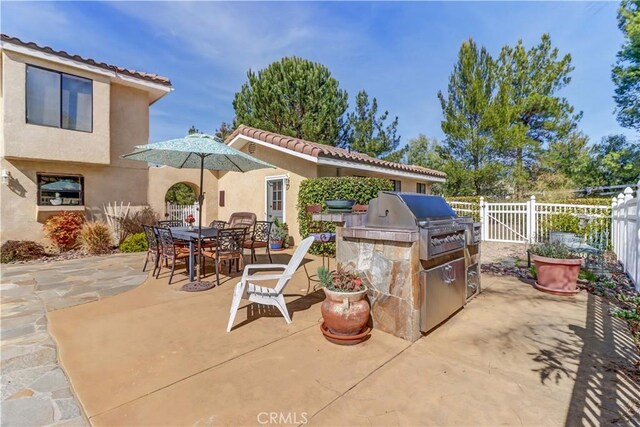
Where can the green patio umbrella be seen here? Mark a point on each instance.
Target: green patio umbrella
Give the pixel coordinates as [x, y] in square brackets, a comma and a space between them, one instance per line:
[197, 151]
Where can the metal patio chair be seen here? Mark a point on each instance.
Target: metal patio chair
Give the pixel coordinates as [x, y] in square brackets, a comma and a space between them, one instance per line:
[259, 239]
[228, 247]
[170, 251]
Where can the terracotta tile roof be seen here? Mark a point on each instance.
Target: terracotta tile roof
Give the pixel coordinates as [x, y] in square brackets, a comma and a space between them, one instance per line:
[62, 54]
[327, 151]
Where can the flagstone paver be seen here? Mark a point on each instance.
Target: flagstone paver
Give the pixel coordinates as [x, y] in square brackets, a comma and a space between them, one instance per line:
[35, 390]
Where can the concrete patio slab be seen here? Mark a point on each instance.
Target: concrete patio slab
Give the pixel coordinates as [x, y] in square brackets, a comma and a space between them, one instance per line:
[513, 356]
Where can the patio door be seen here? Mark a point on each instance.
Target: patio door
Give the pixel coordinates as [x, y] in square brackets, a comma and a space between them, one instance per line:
[275, 198]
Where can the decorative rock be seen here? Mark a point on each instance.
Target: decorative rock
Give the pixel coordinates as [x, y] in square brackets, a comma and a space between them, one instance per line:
[31, 411]
[67, 409]
[25, 392]
[53, 380]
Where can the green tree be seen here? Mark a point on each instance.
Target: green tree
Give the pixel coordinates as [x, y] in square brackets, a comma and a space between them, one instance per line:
[470, 157]
[294, 97]
[180, 194]
[626, 72]
[224, 130]
[193, 130]
[367, 132]
[530, 115]
[614, 161]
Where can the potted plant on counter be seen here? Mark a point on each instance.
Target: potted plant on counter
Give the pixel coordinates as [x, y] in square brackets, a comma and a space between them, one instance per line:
[345, 311]
[557, 268]
[279, 235]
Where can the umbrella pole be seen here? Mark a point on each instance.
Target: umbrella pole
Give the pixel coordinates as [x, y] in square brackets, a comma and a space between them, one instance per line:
[200, 201]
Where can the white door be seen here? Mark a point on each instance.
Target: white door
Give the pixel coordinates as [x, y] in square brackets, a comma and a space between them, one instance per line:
[275, 199]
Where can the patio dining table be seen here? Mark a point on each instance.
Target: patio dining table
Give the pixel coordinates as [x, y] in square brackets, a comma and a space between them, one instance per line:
[184, 233]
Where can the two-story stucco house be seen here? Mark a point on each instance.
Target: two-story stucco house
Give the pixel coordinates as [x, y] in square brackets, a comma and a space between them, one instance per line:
[64, 123]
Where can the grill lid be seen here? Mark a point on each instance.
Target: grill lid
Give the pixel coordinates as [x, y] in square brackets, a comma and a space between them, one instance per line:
[427, 207]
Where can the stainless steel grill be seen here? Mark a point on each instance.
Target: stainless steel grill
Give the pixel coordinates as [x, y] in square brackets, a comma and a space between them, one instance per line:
[442, 240]
[472, 256]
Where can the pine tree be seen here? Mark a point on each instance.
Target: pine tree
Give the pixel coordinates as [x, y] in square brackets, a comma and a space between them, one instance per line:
[530, 115]
[294, 97]
[367, 132]
[470, 156]
[626, 72]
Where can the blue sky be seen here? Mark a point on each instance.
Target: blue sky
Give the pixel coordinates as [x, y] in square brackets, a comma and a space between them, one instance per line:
[401, 53]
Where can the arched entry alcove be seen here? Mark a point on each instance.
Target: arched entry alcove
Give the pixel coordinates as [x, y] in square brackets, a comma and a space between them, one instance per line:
[182, 193]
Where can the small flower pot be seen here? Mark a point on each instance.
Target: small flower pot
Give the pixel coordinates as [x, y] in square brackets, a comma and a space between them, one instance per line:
[345, 313]
[557, 276]
[275, 245]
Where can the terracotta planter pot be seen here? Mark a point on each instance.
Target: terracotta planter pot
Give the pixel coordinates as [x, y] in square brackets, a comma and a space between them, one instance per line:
[557, 276]
[345, 313]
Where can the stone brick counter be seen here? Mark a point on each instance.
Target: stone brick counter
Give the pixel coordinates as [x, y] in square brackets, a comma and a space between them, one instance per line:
[389, 262]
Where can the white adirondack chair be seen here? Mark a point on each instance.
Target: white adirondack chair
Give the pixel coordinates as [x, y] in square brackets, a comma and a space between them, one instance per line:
[264, 294]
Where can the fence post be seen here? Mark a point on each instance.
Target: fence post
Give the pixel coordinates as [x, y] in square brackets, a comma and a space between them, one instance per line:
[531, 220]
[621, 227]
[614, 224]
[636, 236]
[483, 219]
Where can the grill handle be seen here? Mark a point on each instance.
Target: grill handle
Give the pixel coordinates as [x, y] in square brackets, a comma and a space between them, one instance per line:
[447, 276]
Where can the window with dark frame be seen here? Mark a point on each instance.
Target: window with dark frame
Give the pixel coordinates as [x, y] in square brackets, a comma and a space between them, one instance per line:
[58, 99]
[421, 188]
[60, 190]
[397, 185]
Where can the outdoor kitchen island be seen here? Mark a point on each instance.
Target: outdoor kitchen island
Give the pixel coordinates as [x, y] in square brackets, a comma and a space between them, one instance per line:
[409, 250]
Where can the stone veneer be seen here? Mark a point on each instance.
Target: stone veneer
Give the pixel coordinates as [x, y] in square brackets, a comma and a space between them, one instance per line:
[391, 269]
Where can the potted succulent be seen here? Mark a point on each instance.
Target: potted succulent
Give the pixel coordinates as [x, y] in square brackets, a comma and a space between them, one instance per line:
[557, 268]
[345, 310]
[279, 234]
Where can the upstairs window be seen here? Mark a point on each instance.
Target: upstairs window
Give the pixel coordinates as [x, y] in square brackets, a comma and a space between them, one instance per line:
[60, 190]
[421, 188]
[397, 185]
[59, 100]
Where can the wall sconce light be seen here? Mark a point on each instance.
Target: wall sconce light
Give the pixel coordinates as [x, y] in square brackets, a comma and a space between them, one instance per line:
[6, 176]
[286, 181]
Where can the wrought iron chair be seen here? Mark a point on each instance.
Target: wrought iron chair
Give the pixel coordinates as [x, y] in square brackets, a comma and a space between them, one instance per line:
[153, 247]
[218, 224]
[228, 247]
[170, 223]
[242, 219]
[259, 239]
[170, 251]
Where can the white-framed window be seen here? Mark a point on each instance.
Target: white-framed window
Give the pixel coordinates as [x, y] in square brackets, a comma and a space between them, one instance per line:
[58, 99]
[397, 185]
[60, 190]
[421, 188]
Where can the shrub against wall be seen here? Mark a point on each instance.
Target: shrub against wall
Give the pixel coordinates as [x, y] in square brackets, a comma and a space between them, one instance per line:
[63, 229]
[314, 191]
[95, 238]
[134, 243]
[20, 250]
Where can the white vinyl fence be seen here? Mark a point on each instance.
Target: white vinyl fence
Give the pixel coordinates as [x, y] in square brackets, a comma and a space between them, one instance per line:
[530, 221]
[625, 226]
[180, 212]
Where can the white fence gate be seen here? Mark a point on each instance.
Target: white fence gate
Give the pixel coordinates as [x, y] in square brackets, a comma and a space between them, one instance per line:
[526, 221]
[180, 212]
[625, 225]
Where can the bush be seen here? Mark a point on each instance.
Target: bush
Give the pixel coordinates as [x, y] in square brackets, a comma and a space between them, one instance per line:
[314, 191]
[20, 250]
[564, 222]
[134, 243]
[95, 238]
[552, 250]
[132, 224]
[63, 229]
